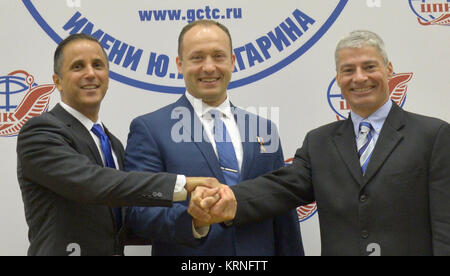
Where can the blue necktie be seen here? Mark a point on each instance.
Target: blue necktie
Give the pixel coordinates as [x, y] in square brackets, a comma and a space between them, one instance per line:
[365, 145]
[225, 150]
[109, 162]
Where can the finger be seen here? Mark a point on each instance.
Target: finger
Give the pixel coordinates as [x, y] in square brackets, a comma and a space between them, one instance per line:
[200, 223]
[207, 192]
[209, 201]
[199, 213]
[192, 182]
[226, 207]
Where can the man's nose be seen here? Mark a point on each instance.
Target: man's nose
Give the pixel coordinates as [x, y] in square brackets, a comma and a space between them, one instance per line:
[89, 72]
[360, 75]
[209, 65]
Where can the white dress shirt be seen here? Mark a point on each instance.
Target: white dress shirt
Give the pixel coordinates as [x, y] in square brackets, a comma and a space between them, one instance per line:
[202, 109]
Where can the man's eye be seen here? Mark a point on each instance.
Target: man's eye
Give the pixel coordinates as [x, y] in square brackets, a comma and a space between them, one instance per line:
[347, 71]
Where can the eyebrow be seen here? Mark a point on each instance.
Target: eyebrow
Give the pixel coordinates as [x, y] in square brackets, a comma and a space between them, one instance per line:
[78, 61]
[364, 63]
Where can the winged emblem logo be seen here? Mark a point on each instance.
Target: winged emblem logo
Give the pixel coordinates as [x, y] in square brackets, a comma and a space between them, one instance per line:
[34, 103]
[398, 86]
[306, 211]
[431, 12]
[443, 20]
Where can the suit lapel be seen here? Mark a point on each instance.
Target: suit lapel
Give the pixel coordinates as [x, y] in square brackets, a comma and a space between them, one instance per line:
[83, 135]
[117, 148]
[196, 131]
[345, 143]
[79, 131]
[388, 140]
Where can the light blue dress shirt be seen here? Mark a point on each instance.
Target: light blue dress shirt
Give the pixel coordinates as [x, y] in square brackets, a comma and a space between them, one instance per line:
[376, 119]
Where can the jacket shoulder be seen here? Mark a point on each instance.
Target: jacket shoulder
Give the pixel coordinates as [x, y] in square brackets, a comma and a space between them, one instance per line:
[423, 120]
[44, 120]
[163, 113]
[330, 128]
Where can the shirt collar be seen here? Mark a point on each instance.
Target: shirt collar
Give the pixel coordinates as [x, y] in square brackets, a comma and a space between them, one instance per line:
[201, 108]
[376, 119]
[85, 121]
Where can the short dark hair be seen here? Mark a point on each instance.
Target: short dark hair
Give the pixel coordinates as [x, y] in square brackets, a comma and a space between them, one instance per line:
[58, 57]
[204, 22]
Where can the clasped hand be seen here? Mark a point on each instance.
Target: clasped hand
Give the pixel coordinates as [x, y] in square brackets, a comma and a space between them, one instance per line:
[211, 203]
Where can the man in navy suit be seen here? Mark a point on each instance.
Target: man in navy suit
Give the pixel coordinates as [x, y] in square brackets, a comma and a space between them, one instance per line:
[182, 138]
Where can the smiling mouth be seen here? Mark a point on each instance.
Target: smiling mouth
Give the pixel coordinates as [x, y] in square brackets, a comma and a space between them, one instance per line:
[90, 87]
[362, 90]
[209, 80]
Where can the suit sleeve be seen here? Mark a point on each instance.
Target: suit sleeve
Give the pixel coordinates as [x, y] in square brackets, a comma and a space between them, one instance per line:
[439, 185]
[288, 239]
[158, 224]
[277, 192]
[47, 156]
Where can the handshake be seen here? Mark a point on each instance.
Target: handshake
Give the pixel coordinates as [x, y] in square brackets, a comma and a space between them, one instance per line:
[211, 202]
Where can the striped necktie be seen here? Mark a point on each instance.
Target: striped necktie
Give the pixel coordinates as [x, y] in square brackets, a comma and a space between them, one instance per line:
[365, 144]
[109, 162]
[225, 150]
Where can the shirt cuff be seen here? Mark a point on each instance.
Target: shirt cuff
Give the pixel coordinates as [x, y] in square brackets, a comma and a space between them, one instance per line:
[200, 232]
[180, 193]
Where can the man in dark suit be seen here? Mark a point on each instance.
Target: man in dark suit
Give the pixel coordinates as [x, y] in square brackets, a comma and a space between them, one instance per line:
[68, 194]
[381, 178]
[182, 138]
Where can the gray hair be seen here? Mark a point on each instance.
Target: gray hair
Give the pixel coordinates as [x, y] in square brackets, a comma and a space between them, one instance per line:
[359, 39]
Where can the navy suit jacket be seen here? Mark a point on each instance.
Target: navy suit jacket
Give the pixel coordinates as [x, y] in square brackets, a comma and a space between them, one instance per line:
[152, 146]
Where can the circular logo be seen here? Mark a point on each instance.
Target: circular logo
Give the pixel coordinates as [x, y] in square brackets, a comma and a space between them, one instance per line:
[11, 85]
[431, 12]
[141, 38]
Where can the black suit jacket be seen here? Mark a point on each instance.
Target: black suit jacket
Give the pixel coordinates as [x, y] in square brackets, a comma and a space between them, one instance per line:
[68, 194]
[401, 206]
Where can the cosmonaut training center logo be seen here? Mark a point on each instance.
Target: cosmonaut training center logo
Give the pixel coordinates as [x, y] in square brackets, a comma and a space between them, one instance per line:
[431, 12]
[21, 99]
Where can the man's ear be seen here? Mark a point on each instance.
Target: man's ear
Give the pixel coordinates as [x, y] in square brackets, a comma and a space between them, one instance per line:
[57, 82]
[179, 64]
[390, 69]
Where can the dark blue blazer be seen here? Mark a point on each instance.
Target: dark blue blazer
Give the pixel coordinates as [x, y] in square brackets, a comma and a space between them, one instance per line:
[154, 145]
